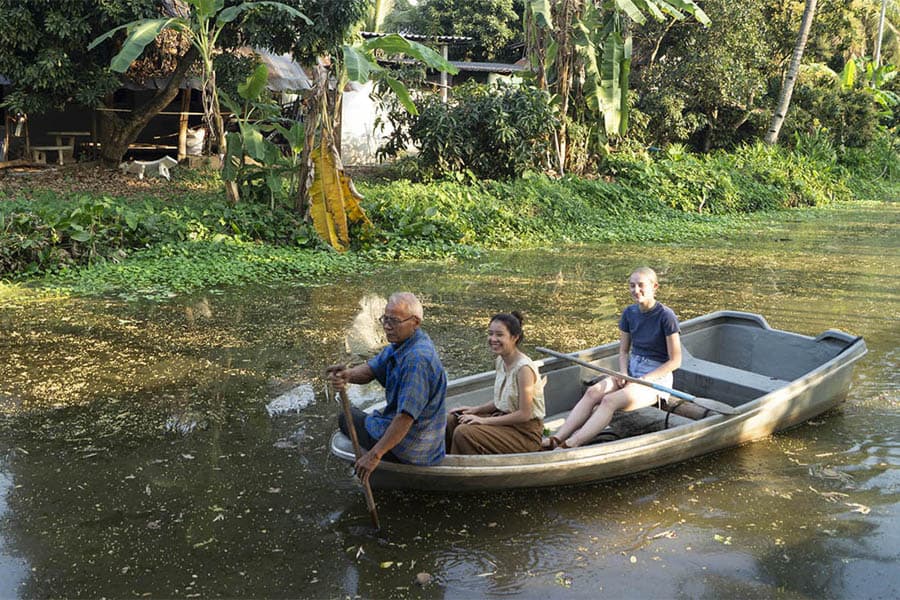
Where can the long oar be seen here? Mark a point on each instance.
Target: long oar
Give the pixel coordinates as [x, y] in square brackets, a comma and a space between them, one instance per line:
[367, 489]
[719, 407]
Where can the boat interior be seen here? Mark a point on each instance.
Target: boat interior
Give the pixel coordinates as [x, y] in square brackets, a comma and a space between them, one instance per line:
[734, 361]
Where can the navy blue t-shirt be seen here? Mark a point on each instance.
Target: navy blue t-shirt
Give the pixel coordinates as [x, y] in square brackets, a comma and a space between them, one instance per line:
[649, 330]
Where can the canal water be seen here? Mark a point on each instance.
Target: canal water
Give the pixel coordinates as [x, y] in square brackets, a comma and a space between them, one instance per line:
[179, 449]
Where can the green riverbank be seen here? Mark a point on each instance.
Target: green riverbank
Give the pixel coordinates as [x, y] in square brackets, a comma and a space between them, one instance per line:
[159, 246]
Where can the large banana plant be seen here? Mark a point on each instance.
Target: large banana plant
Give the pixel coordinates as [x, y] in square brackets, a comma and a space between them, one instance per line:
[328, 194]
[875, 78]
[597, 31]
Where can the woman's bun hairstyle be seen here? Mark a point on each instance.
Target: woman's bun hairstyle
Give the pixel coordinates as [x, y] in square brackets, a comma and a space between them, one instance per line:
[513, 322]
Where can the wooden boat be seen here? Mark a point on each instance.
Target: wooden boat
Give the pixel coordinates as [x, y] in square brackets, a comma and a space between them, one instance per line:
[774, 379]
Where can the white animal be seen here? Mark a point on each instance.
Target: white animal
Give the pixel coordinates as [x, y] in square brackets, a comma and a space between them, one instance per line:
[151, 168]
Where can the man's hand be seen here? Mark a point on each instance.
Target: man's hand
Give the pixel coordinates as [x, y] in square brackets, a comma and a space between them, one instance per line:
[365, 464]
[338, 376]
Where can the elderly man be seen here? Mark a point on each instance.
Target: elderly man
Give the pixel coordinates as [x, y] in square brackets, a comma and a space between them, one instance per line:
[410, 428]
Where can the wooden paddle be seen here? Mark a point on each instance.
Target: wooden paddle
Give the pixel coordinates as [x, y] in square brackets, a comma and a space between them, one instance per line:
[715, 405]
[367, 489]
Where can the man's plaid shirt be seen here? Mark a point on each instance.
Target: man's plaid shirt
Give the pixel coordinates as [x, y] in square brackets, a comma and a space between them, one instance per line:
[415, 383]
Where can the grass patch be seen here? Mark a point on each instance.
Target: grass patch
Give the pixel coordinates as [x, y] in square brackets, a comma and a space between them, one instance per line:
[168, 270]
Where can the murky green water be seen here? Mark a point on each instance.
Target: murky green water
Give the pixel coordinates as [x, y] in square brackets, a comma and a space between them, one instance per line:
[138, 456]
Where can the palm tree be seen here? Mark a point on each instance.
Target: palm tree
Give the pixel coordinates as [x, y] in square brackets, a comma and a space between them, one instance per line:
[787, 89]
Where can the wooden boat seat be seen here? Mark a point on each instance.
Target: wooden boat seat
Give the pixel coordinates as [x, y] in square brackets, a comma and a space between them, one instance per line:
[713, 370]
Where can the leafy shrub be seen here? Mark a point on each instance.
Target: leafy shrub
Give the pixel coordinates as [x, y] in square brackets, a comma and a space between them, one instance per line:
[851, 116]
[494, 132]
[173, 268]
[873, 173]
[52, 232]
[753, 177]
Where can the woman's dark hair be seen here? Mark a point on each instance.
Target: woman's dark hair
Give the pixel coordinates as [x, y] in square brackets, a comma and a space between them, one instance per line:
[513, 321]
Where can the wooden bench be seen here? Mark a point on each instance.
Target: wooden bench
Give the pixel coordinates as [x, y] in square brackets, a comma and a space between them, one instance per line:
[39, 153]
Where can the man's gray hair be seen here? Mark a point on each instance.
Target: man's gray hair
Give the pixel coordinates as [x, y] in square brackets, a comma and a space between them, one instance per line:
[410, 301]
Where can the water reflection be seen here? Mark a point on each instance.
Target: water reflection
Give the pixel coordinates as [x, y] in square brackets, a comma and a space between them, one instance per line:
[180, 449]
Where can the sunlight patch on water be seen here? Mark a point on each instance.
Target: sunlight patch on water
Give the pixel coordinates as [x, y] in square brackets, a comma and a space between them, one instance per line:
[292, 401]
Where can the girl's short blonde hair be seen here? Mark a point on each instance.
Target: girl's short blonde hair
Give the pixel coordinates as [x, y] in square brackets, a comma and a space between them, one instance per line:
[648, 272]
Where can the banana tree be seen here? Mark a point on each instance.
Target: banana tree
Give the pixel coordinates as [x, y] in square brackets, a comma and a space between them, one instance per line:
[875, 78]
[259, 118]
[202, 26]
[358, 63]
[568, 37]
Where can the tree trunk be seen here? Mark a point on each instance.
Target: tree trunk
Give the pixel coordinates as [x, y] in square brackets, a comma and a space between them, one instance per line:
[116, 134]
[318, 108]
[880, 34]
[565, 60]
[787, 89]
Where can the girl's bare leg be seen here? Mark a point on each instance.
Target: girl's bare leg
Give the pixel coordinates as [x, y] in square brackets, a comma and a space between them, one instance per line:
[630, 397]
[592, 397]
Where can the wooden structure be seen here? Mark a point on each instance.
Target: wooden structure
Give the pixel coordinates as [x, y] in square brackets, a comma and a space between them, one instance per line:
[772, 379]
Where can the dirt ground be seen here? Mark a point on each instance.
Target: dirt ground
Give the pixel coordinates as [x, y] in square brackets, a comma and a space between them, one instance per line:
[92, 178]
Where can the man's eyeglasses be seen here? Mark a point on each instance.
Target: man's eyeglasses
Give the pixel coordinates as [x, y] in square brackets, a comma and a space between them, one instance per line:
[392, 321]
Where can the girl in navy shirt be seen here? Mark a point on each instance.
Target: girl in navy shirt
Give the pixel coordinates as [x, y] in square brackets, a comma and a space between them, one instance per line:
[649, 348]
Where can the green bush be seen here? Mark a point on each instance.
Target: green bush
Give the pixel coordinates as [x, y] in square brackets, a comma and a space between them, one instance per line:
[851, 116]
[751, 178]
[155, 248]
[494, 132]
[873, 173]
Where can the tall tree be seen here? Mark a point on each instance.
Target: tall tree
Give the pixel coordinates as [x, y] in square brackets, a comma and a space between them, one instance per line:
[43, 50]
[787, 88]
[703, 84]
[880, 35]
[583, 47]
[492, 24]
[44, 53]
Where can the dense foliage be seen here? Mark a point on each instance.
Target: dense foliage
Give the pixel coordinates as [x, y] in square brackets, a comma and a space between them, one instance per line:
[491, 24]
[53, 232]
[43, 50]
[151, 247]
[704, 85]
[492, 131]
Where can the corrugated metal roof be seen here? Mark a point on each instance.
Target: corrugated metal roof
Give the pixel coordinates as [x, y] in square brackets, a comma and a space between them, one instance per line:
[416, 37]
[463, 65]
[488, 67]
[285, 75]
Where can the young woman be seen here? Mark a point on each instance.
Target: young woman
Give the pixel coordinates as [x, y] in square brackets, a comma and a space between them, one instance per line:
[513, 420]
[649, 348]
